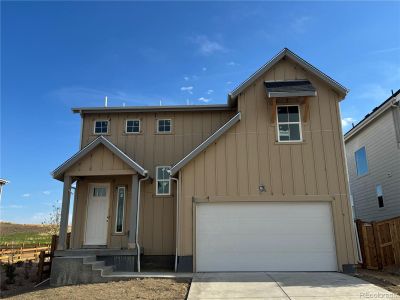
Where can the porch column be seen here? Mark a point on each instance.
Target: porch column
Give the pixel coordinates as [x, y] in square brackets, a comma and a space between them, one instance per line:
[133, 212]
[62, 238]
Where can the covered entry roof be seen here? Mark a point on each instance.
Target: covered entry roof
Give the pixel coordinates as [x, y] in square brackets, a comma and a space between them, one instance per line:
[290, 88]
[59, 172]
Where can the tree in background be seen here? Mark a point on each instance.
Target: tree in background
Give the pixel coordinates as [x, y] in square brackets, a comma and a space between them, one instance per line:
[52, 222]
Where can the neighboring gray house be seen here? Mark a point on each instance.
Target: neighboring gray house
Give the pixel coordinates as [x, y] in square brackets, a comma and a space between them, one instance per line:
[373, 157]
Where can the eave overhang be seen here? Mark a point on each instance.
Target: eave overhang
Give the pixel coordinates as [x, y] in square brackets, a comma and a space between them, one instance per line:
[59, 172]
[340, 89]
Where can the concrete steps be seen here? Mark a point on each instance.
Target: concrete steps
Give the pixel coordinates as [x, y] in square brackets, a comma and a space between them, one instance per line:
[98, 265]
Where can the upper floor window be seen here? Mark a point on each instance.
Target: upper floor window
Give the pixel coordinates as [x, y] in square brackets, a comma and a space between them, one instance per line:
[164, 125]
[361, 161]
[100, 126]
[132, 126]
[379, 194]
[289, 125]
[163, 185]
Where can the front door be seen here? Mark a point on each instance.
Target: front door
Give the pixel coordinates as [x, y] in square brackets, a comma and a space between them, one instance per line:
[97, 214]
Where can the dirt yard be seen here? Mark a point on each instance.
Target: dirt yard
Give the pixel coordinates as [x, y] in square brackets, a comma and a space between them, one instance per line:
[132, 289]
[388, 279]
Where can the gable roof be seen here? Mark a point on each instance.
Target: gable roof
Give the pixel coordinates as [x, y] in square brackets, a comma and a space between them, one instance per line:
[340, 89]
[211, 139]
[57, 173]
[373, 114]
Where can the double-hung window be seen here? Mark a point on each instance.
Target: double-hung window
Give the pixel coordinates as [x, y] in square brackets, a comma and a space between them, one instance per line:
[101, 126]
[289, 124]
[132, 126]
[119, 221]
[164, 125]
[163, 186]
[361, 161]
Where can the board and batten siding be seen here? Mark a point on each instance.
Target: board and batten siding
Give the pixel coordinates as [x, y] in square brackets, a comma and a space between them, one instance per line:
[248, 155]
[149, 149]
[383, 157]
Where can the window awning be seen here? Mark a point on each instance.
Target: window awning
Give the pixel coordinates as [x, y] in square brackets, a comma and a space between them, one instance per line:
[290, 88]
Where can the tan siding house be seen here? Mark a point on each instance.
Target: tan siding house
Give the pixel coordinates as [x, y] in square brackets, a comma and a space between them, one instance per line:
[256, 184]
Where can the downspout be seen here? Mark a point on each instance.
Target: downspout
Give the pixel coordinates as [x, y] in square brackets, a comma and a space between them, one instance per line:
[177, 221]
[138, 221]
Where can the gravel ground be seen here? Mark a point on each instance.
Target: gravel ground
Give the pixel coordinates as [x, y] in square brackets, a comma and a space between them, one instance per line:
[133, 289]
[389, 279]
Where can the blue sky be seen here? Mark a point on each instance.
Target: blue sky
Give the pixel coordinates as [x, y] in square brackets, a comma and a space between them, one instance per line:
[59, 55]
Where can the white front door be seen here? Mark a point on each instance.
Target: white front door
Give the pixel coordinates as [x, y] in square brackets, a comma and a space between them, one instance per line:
[275, 236]
[97, 214]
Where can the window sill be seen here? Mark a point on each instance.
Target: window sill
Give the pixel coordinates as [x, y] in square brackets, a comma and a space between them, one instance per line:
[119, 234]
[132, 133]
[164, 133]
[163, 196]
[290, 143]
[99, 134]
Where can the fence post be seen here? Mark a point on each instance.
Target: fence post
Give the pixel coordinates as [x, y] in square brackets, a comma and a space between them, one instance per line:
[377, 242]
[359, 226]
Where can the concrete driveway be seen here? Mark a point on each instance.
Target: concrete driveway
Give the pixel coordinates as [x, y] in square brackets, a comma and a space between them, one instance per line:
[283, 285]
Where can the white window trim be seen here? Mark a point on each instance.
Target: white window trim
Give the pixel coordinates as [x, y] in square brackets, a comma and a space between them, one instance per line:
[126, 126]
[170, 129]
[157, 180]
[299, 122]
[123, 211]
[101, 133]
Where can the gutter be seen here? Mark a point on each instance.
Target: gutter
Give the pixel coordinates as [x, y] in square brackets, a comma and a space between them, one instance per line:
[177, 241]
[138, 220]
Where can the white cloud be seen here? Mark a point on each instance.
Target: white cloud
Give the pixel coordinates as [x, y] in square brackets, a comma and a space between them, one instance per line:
[209, 92]
[205, 100]
[188, 89]
[206, 46]
[386, 50]
[26, 195]
[347, 121]
[46, 192]
[299, 24]
[204, 69]
[186, 78]
[229, 82]
[232, 64]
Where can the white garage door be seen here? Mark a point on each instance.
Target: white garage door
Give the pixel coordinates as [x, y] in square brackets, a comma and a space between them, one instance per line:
[265, 237]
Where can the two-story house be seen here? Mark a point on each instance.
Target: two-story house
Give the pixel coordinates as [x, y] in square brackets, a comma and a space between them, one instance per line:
[256, 184]
[373, 156]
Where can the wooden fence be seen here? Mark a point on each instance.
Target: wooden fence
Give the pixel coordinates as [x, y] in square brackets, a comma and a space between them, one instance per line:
[379, 243]
[22, 252]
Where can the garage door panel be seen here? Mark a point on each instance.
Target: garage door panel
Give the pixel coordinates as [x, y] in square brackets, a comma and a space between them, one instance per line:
[265, 237]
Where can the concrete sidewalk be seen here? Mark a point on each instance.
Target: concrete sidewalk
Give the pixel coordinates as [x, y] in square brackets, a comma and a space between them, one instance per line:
[283, 285]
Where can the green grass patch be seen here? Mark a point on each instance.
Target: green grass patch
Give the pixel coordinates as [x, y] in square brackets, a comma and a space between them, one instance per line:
[25, 238]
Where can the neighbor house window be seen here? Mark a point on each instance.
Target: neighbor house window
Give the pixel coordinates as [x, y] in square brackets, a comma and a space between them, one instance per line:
[132, 126]
[361, 161]
[119, 223]
[289, 125]
[379, 194]
[164, 125]
[163, 181]
[101, 126]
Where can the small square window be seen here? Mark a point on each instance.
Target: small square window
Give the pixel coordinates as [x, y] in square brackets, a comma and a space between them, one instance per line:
[164, 125]
[99, 192]
[101, 126]
[132, 126]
